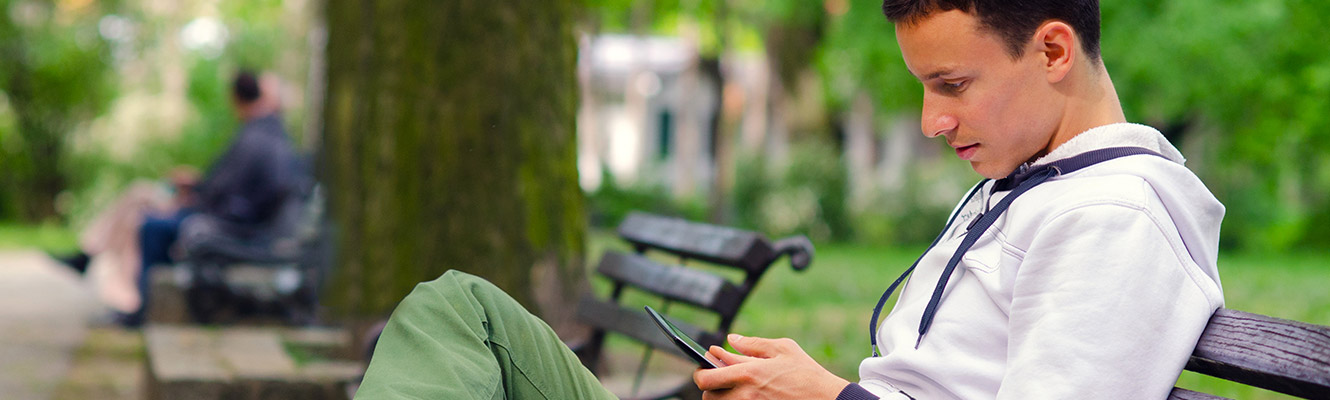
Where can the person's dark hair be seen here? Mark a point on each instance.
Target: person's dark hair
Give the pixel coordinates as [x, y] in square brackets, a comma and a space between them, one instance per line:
[245, 87]
[1012, 20]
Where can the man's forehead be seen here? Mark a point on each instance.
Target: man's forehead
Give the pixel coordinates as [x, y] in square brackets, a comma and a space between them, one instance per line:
[934, 45]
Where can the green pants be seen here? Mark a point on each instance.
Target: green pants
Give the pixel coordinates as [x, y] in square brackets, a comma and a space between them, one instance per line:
[460, 337]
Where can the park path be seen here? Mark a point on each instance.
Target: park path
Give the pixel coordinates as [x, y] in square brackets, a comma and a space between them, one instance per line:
[44, 314]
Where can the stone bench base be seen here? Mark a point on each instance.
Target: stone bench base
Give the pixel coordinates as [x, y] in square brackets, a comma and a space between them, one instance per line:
[195, 363]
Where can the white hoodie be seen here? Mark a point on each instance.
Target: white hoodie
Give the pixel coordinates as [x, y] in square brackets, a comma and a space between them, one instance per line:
[1093, 285]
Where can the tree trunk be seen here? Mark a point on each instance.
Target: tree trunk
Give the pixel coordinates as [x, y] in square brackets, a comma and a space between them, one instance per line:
[450, 144]
[34, 170]
[721, 154]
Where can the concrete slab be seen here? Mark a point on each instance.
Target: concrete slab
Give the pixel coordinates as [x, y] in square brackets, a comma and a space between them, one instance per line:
[44, 313]
[255, 354]
[239, 363]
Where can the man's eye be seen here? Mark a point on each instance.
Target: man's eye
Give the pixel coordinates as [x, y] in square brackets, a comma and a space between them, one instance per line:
[953, 87]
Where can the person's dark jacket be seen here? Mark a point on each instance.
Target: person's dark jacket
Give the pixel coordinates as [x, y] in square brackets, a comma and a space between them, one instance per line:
[256, 176]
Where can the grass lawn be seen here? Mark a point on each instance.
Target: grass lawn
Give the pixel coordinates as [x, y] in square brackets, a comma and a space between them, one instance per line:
[49, 236]
[826, 308]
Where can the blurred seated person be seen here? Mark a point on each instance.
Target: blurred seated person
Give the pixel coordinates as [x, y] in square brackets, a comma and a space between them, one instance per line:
[242, 192]
[112, 235]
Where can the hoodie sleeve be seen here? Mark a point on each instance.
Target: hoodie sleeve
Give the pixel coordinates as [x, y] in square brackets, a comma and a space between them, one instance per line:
[855, 392]
[1106, 305]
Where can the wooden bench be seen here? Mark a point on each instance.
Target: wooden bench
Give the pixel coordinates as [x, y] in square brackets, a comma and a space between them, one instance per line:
[1285, 356]
[688, 241]
[228, 280]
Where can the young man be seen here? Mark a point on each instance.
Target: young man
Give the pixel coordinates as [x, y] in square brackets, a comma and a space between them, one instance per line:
[1094, 284]
[1072, 277]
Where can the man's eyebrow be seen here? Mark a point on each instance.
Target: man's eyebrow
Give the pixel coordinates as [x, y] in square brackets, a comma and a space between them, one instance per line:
[935, 74]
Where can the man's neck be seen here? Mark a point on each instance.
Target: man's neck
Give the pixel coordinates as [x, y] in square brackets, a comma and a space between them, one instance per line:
[1092, 102]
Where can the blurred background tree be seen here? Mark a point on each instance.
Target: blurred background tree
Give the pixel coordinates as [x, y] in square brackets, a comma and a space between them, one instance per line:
[444, 154]
[54, 76]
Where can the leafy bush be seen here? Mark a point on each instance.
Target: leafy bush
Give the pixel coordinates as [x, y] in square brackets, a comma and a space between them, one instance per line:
[611, 202]
[808, 196]
[910, 215]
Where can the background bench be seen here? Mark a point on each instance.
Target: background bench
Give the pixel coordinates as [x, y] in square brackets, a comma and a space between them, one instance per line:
[688, 241]
[222, 279]
[1285, 356]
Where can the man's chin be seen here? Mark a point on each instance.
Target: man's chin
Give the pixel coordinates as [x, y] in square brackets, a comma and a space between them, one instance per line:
[990, 171]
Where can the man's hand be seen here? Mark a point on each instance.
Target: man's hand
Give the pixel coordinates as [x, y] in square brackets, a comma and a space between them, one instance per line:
[767, 369]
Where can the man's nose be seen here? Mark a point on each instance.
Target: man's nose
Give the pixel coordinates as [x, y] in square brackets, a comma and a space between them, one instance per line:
[936, 120]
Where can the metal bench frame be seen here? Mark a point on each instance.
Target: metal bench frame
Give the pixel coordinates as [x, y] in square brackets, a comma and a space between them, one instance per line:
[689, 241]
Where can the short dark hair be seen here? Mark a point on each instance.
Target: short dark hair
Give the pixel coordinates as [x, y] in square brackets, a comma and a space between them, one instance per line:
[1012, 20]
[245, 87]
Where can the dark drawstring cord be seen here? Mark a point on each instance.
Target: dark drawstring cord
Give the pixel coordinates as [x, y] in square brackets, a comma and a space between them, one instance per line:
[872, 324]
[971, 237]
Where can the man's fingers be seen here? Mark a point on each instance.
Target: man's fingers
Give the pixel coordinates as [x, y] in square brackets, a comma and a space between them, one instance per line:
[730, 374]
[715, 394]
[727, 357]
[760, 347]
[709, 379]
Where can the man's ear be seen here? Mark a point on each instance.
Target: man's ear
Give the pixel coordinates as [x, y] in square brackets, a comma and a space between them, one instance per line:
[1055, 42]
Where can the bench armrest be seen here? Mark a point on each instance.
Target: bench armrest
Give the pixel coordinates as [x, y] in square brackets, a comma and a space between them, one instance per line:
[798, 248]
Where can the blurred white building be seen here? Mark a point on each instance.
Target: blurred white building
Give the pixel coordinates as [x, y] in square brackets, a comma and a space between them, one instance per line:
[644, 108]
[647, 113]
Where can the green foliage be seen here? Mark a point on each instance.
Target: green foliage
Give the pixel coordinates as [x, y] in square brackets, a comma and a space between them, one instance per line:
[908, 216]
[743, 23]
[1252, 72]
[54, 76]
[753, 182]
[809, 196]
[612, 202]
[860, 54]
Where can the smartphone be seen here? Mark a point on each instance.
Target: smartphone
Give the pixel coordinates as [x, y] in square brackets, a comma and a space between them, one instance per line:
[685, 343]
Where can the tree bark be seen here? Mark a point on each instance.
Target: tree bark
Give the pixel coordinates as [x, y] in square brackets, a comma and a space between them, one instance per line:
[450, 144]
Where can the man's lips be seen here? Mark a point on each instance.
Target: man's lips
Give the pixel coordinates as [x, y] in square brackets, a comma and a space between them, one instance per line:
[967, 152]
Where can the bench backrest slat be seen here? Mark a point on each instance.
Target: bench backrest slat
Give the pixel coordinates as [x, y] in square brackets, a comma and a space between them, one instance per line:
[714, 244]
[688, 285]
[1184, 394]
[1285, 356]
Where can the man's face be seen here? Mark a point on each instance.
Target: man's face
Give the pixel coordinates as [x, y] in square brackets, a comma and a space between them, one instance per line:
[996, 112]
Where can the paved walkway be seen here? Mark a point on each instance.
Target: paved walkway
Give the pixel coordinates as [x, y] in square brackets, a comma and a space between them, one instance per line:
[44, 314]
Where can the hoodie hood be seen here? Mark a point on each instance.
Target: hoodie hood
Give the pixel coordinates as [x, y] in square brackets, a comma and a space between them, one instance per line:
[1115, 135]
[1191, 206]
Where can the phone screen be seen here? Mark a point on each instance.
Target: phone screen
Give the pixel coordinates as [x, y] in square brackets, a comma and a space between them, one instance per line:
[685, 343]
